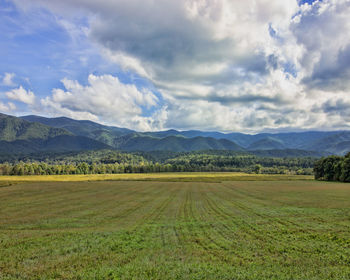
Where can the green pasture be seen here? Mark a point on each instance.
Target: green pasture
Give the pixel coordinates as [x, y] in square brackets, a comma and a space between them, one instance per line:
[188, 226]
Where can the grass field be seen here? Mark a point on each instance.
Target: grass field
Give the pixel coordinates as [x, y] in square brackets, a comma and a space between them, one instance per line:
[183, 176]
[196, 228]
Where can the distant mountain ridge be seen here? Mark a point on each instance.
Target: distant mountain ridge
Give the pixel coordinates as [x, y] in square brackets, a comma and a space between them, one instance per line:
[268, 143]
[35, 133]
[21, 136]
[96, 131]
[334, 142]
[13, 128]
[137, 142]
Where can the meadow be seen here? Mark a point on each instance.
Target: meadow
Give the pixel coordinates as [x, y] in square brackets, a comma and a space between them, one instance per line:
[174, 226]
[160, 176]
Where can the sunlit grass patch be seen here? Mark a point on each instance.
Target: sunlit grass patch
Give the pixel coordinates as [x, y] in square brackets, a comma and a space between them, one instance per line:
[289, 229]
[188, 176]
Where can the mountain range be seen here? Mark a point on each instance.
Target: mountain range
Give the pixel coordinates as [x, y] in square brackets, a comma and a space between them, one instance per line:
[30, 134]
[21, 136]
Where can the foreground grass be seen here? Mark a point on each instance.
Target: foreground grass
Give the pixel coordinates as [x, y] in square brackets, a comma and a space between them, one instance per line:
[172, 177]
[175, 230]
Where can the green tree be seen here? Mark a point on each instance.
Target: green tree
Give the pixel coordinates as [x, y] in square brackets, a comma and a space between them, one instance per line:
[257, 168]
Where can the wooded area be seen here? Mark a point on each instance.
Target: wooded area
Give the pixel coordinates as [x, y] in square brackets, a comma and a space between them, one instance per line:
[333, 168]
[111, 162]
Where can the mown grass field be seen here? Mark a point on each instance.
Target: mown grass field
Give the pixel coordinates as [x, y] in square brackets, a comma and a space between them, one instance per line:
[175, 228]
[183, 176]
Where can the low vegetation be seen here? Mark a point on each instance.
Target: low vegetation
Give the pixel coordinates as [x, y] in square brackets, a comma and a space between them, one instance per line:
[291, 229]
[165, 177]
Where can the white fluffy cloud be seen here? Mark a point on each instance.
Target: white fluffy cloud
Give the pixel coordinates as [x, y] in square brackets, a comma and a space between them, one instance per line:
[104, 98]
[218, 64]
[9, 107]
[22, 95]
[320, 30]
[7, 80]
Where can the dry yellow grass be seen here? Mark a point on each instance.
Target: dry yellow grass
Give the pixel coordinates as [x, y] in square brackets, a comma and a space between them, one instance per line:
[188, 176]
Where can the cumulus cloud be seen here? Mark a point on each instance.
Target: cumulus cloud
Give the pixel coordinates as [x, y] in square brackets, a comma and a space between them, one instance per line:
[22, 95]
[7, 80]
[105, 98]
[320, 30]
[9, 107]
[218, 64]
[190, 48]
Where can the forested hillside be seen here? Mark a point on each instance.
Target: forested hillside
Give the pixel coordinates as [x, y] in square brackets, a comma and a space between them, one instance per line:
[12, 129]
[102, 133]
[19, 136]
[322, 142]
[34, 134]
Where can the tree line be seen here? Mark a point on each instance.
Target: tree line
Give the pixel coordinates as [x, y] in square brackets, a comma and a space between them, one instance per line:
[112, 162]
[42, 168]
[333, 168]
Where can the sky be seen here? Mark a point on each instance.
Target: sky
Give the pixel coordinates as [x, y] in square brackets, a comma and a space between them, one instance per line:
[215, 65]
